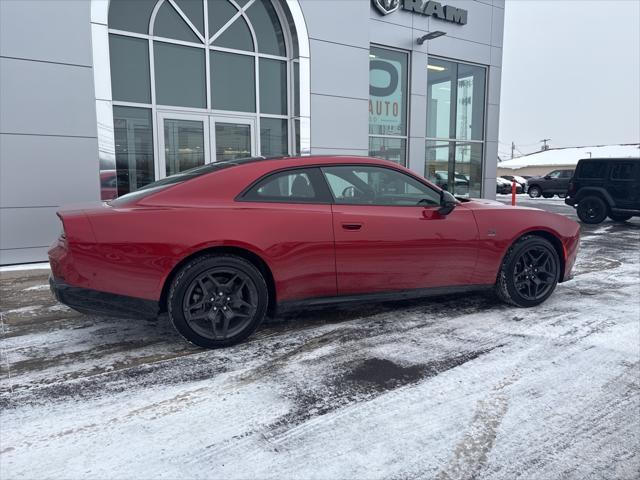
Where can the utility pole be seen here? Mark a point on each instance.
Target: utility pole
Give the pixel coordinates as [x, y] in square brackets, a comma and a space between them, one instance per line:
[513, 148]
[545, 146]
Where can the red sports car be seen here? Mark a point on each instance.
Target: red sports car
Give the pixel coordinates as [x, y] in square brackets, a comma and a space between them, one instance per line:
[221, 246]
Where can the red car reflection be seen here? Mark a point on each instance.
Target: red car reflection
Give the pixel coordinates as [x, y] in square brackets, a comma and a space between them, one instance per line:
[108, 185]
[221, 246]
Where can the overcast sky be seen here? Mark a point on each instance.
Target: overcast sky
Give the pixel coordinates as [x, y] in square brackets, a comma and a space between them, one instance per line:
[571, 72]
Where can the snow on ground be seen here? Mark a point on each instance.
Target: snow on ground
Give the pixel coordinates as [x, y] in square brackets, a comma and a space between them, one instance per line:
[25, 266]
[441, 388]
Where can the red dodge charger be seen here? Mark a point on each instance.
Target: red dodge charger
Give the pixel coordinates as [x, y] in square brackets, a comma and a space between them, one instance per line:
[220, 246]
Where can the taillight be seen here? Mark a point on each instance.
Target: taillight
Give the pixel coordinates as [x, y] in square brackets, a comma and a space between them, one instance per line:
[571, 188]
[63, 235]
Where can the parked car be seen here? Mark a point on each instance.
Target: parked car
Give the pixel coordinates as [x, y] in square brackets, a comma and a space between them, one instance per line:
[605, 187]
[503, 186]
[441, 179]
[519, 180]
[553, 183]
[220, 246]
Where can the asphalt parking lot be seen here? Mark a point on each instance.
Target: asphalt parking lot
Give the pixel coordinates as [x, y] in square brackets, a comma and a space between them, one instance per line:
[444, 388]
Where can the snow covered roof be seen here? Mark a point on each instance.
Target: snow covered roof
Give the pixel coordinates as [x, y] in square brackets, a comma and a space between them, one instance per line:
[571, 155]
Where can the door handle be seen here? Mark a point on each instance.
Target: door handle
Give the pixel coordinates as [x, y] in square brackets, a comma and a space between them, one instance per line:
[352, 226]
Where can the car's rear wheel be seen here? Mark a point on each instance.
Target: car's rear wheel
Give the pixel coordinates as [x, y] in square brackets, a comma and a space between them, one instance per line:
[217, 300]
[618, 217]
[562, 195]
[534, 191]
[529, 273]
[592, 210]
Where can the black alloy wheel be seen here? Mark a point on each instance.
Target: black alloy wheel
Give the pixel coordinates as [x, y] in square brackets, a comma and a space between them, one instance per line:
[592, 210]
[217, 301]
[535, 191]
[535, 272]
[529, 273]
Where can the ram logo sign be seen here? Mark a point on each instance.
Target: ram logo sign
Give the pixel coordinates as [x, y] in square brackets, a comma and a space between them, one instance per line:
[387, 6]
[429, 8]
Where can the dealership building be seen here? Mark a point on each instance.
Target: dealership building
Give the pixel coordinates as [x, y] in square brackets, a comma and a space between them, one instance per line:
[99, 98]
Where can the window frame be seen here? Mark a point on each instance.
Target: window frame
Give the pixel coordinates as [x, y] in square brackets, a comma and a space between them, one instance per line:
[452, 141]
[407, 100]
[207, 44]
[319, 184]
[437, 193]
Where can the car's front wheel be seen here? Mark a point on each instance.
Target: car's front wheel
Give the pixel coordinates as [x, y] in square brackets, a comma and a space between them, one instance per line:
[217, 300]
[592, 210]
[618, 217]
[530, 272]
[534, 191]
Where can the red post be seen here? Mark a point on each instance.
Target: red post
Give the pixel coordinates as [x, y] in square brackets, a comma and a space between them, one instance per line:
[513, 192]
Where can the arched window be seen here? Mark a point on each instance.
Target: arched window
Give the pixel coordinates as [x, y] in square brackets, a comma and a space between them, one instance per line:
[198, 81]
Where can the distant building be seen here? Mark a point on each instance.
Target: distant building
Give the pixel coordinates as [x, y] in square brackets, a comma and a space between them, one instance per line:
[541, 163]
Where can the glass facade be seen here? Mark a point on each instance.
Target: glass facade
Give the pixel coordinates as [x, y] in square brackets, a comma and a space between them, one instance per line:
[388, 85]
[455, 126]
[224, 63]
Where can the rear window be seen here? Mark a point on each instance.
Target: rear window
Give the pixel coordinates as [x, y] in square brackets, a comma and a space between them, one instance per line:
[592, 169]
[196, 172]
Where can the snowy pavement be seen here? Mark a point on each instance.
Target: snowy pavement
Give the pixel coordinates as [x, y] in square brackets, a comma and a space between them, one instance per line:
[442, 388]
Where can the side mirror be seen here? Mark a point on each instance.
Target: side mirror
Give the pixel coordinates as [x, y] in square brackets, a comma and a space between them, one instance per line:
[547, 177]
[447, 203]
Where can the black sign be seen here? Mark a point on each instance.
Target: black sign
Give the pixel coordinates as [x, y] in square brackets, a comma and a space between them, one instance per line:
[429, 8]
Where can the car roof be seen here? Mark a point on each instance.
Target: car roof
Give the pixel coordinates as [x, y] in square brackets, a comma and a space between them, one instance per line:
[609, 159]
[320, 160]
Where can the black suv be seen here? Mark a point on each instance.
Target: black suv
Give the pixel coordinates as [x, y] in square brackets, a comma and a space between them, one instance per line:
[603, 187]
[553, 183]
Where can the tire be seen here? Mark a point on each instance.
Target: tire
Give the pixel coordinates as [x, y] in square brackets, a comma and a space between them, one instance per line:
[592, 210]
[217, 300]
[562, 195]
[529, 273]
[535, 191]
[619, 217]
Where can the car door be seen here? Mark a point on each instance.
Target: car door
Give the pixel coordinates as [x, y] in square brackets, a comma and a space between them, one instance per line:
[550, 181]
[389, 236]
[562, 184]
[622, 184]
[289, 214]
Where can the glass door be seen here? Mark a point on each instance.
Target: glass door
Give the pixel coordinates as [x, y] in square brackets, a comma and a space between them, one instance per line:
[183, 141]
[232, 137]
[189, 140]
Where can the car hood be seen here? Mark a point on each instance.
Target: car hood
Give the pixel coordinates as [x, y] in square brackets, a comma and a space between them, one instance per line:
[486, 204]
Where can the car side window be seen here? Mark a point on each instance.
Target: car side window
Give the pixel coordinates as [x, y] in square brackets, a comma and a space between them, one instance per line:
[554, 174]
[566, 173]
[592, 169]
[622, 171]
[291, 186]
[367, 185]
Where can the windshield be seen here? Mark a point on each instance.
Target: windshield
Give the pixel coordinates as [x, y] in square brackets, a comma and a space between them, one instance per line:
[163, 183]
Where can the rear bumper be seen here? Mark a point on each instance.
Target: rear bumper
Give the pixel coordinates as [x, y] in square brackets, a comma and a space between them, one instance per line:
[102, 303]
